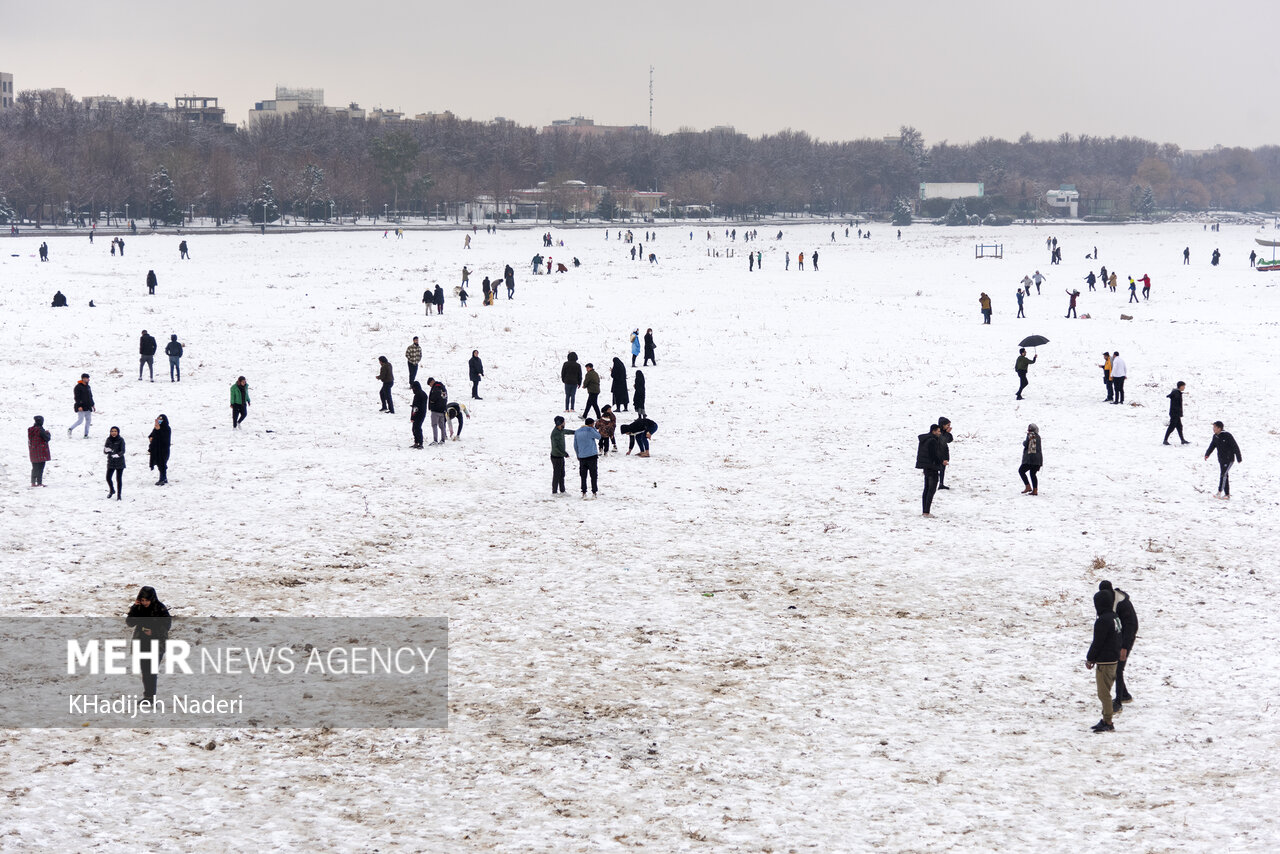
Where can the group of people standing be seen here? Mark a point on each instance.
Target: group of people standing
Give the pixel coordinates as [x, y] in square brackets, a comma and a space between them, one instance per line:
[596, 435]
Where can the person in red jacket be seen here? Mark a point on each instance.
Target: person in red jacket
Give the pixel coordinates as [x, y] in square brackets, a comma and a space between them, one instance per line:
[38, 449]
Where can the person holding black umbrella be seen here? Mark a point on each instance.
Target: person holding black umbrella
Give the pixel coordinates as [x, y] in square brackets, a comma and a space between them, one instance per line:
[1020, 368]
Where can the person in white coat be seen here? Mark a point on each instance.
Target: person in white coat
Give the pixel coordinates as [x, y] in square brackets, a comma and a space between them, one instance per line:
[1118, 373]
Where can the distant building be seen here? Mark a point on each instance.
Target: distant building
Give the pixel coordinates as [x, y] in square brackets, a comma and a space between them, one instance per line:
[352, 111]
[1064, 201]
[288, 100]
[198, 109]
[101, 103]
[382, 117]
[951, 191]
[587, 127]
[6, 91]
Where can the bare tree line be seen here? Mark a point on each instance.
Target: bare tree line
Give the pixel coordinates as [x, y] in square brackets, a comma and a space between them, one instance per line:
[63, 161]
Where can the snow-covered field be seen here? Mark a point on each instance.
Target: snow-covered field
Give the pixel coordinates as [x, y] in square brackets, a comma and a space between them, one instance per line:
[752, 641]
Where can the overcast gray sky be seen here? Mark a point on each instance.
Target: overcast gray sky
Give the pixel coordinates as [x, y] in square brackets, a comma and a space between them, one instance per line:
[1195, 74]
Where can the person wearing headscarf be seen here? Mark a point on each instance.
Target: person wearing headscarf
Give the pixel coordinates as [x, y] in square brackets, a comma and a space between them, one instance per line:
[38, 449]
[114, 450]
[619, 387]
[158, 448]
[638, 395]
[150, 621]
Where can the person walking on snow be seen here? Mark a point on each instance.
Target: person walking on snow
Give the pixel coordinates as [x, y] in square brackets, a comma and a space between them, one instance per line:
[650, 349]
[146, 355]
[1119, 373]
[1038, 278]
[239, 402]
[571, 376]
[591, 382]
[151, 282]
[1032, 460]
[475, 369]
[437, 403]
[84, 407]
[635, 345]
[618, 374]
[174, 351]
[387, 378]
[150, 621]
[558, 455]
[1123, 607]
[1104, 654]
[1228, 455]
[38, 449]
[1133, 290]
[113, 448]
[183, 255]
[417, 412]
[1175, 413]
[439, 299]
[1146, 286]
[158, 444]
[1019, 296]
[1020, 368]
[586, 445]
[413, 356]
[929, 458]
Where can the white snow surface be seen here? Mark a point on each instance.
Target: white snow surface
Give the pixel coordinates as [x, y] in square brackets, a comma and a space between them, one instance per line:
[752, 641]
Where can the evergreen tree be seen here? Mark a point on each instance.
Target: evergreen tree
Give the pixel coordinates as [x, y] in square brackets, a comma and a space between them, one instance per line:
[1147, 205]
[6, 210]
[957, 215]
[164, 207]
[265, 201]
[315, 199]
[901, 212]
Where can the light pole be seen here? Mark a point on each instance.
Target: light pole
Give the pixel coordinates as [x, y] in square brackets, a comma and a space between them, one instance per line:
[384, 213]
[126, 214]
[264, 216]
[330, 211]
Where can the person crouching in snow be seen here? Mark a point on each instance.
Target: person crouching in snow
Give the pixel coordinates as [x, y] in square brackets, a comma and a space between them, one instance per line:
[458, 411]
[640, 432]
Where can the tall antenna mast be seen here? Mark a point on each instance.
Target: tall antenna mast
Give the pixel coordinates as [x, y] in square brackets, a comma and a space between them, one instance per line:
[650, 99]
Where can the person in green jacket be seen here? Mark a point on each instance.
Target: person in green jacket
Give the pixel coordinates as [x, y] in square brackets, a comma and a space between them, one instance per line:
[1021, 368]
[591, 382]
[239, 402]
[558, 454]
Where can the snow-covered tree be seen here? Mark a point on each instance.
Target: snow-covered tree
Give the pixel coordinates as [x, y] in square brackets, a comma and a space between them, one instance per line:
[1147, 204]
[957, 215]
[315, 197]
[164, 206]
[901, 211]
[6, 210]
[264, 201]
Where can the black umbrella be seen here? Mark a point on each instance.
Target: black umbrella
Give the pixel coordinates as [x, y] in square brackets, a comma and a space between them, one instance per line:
[1033, 341]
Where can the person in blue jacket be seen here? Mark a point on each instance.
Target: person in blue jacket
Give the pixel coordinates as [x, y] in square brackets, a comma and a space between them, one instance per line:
[635, 345]
[586, 444]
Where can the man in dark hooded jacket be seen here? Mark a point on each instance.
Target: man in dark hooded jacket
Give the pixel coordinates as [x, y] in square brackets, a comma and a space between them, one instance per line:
[146, 355]
[1228, 455]
[150, 621]
[944, 436]
[1104, 654]
[1128, 633]
[437, 403]
[571, 376]
[417, 412]
[929, 456]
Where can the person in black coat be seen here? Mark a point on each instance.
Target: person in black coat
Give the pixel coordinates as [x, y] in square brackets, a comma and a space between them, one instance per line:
[1175, 414]
[150, 621]
[439, 299]
[509, 275]
[146, 355]
[158, 448]
[1228, 454]
[571, 376]
[475, 367]
[114, 450]
[1128, 634]
[1104, 654]
[151, 282]
[619, 388]
[484, 289]
[1032, 460]
[437, 403]
[417, 412]
[929, 458]
[640, 431]
[638, 395]
[429, 297]
[650, 349]
[944, 424]
[387, 377]
[59, 300]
